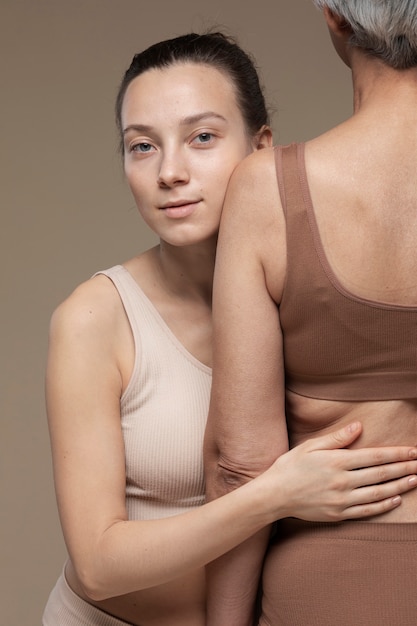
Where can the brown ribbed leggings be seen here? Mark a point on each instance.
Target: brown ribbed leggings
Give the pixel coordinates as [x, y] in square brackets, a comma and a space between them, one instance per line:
[343, 574]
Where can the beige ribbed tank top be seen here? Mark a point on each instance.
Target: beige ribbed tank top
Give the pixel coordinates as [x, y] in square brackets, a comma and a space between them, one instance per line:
[163, 412]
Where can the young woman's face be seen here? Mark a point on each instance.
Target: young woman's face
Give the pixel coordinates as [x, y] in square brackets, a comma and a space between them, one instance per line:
[183, 136]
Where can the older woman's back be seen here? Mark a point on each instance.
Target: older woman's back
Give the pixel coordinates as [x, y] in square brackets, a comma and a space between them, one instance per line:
[353, 303]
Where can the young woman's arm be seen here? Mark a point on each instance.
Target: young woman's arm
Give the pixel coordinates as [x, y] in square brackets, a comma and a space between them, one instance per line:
[246, 429]
[112, 555]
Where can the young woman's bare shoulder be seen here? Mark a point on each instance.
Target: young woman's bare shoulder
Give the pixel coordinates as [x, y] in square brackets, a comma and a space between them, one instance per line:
[93, 307]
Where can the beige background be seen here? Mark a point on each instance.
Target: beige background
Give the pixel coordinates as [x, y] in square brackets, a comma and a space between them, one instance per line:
[65, 210]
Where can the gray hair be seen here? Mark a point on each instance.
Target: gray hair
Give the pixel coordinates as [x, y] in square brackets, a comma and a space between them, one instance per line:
[387, 29]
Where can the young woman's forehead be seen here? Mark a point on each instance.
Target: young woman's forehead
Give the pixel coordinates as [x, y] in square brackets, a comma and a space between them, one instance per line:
[183, 83]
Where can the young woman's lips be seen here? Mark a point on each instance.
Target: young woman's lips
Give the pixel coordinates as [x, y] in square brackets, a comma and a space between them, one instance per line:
[179, 210]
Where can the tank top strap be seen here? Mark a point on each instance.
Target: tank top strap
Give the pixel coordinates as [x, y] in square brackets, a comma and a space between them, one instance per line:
[301, 252]
[132, 297]
[287, 163]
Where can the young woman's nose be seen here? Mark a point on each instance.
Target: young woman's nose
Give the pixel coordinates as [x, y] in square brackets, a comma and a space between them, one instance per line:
[173, 170]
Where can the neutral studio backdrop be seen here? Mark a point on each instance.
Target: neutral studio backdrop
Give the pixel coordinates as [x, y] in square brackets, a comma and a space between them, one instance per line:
[66, 211]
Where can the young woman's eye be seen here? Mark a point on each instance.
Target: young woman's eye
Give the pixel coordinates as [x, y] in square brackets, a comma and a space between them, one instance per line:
[204, 138]
[142, 148]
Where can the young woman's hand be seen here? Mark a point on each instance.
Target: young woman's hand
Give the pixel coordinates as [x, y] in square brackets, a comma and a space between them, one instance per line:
[328, 483]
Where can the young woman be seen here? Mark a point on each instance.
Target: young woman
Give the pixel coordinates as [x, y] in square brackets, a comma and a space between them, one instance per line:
[322, 236]
[128, 378]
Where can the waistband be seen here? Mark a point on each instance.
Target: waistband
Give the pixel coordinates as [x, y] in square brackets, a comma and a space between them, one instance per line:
[348, 530]
[66, 608]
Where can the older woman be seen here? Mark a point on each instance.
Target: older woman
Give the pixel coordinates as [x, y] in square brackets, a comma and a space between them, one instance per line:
[315, 312]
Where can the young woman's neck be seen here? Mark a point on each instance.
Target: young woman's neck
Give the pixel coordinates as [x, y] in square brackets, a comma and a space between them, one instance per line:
[187, 271]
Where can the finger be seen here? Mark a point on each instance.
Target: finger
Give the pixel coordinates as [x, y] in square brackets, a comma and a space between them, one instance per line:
[382, 473]
[369, 457]
[336, 439]
[369, 508]
[377, 493]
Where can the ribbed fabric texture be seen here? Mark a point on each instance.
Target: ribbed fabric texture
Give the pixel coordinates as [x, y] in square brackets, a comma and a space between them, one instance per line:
[65, 608]
[343, 574]
[163, 412]
[337, 346]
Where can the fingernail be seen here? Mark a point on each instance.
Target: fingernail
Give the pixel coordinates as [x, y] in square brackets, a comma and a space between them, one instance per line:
[396, 500]
[412, 480]
[352, 428]
[413, 453]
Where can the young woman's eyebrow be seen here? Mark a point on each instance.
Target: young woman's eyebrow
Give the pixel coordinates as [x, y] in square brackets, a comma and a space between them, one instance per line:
[189, 119]
[199, 117]
[139, 128]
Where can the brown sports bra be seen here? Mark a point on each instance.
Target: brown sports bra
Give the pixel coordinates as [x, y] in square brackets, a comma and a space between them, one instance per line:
[337, 346]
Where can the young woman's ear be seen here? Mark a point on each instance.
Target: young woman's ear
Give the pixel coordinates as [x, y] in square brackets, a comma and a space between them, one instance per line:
[263, 139]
